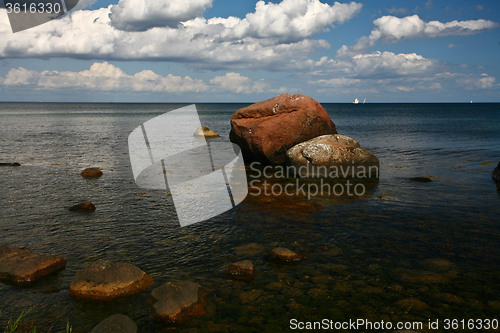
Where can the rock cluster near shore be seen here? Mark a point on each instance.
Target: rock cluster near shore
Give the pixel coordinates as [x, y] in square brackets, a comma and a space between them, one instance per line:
[22, 267]
[296, 130]
[104, 280]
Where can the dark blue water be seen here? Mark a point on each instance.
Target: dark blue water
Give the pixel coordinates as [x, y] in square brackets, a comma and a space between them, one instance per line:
[393, 231]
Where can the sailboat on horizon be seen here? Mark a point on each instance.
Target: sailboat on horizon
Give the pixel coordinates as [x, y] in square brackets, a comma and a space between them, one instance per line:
[356, 101]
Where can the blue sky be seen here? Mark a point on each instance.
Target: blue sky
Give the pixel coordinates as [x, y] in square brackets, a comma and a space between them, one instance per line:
[247, 51]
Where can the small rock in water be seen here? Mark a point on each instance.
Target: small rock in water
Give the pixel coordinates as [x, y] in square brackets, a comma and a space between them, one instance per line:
[438, 264]
[116, 323]
[104, 280]
[177, 302]
[206, 132]
[248, 249]
[496, 174]
[286, 255]
[10, 164]
[410, 304]
[22, 267]
[249, 296]
[421, 179]
[85, 206]
[241, 269]
[92, 172]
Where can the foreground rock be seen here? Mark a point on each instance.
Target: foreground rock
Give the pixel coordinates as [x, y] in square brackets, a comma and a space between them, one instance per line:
[284, 254]
[496, 174]
[10, 164]
[177, 302]
[84, 206]
[332, 156]
[104, 280]
[22, 267]
[241, 269]
[117, 323]
[91, 172]
[206, 132]
[266, 130]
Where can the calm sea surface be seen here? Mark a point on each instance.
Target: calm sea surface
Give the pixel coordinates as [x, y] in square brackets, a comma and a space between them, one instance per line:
[390, 238]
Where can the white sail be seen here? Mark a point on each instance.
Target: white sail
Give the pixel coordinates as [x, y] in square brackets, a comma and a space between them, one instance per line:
[356, 101]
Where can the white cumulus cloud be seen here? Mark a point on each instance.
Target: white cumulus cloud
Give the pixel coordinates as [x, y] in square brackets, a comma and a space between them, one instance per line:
[141, 15]
[391, 29]
[105, 77]
[265, 37]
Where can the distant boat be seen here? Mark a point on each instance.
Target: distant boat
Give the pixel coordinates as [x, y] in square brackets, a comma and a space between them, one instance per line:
[470, 102]
[356, 101]
[364, 101]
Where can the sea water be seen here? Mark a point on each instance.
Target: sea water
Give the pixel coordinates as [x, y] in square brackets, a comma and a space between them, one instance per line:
[367, 256]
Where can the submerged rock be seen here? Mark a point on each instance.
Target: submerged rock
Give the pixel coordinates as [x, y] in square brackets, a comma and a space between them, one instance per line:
[496, 174]
[104, 280]
[10, 164]
[284, 254]
[251, 295]
[206, 132]
[248, 249]
[85, 206]
[423, 277]
[23, 267]
[421, 179]
[177, 302]
[332, 156]
[266, 130]
[241, 269]
[116, 323]
[92, 172]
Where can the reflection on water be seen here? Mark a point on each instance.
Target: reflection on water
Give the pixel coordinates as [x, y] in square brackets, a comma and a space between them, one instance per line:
[401, 243]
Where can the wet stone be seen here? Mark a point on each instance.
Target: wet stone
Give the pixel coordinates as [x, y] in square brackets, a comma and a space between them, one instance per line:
[293, 292]
[92, 172]
[116, 323]
[248, 249]
[371, 290]
[316, 292]
[449, 298]
[411, 304]
[395, 288]
[332, 250]
[248, 296]
[274, 286]
[283, 254]
[321, 279]
[423, 277]
[438, 264]
[241, 269]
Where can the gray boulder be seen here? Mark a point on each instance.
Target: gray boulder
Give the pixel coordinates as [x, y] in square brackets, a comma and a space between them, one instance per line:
[332, 156]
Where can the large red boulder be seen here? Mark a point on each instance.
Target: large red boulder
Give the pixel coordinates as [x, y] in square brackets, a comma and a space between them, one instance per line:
[268, 129]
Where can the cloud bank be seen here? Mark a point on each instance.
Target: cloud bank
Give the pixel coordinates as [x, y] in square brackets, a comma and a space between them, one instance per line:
[391, 29]
[105, 77]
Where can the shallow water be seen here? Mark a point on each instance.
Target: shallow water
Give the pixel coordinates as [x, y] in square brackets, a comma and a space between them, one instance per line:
[386, 237]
